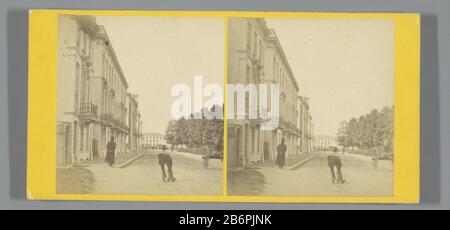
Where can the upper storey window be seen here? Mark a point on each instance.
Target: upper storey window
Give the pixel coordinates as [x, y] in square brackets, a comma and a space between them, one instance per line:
[249, 36]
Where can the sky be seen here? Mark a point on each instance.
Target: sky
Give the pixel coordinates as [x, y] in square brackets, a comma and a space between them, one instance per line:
[155, 53]
[344, 66]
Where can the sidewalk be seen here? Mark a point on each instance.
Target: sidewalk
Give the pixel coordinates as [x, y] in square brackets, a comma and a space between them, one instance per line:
[186, 154]
[359, 156]
[313, 179]
[253, 180]
[291, 160]
[78, 180]
[120, 160]
[307, 158]
[127, 161]
[143, 176]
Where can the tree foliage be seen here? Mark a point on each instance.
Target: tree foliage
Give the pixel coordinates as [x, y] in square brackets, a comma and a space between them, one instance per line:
[372, 130]
[193, 132]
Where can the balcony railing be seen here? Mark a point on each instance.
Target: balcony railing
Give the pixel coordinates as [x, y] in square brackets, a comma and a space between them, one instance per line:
[88, 110]
[119, 124]
[107, 117]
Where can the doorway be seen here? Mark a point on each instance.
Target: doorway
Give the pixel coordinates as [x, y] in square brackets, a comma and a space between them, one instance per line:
[95, 155]
[266, 151]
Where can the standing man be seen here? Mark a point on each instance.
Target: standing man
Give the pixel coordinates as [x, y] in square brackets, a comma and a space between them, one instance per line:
[166, 159]
[110, 152]
[281, 156]
[335, 161]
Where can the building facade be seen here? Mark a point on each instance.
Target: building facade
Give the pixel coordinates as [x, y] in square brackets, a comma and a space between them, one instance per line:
[153, 140]
[255, 56]
[304, 124]
[134, 122]
[278, 71]
[245, 66]
[324, 142]
[92, 91]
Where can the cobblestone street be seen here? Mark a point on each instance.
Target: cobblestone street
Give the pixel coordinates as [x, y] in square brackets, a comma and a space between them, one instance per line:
[313, 178]
[144, 177]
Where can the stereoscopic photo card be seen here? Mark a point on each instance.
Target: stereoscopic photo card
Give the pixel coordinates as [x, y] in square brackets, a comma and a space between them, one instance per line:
[208, 106]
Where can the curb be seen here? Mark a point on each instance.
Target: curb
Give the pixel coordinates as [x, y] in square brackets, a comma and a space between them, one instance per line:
[297, 165]
[188, 155]
[126, 163]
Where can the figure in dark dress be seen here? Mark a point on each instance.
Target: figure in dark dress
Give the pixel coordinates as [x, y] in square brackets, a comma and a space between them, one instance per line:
[110, 152]
[281, 156]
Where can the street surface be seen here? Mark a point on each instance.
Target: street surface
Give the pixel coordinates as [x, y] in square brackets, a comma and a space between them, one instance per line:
[314, 178]
[143, 177]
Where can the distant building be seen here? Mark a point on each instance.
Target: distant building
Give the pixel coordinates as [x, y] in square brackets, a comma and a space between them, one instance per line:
[324, 142]
[153, 140]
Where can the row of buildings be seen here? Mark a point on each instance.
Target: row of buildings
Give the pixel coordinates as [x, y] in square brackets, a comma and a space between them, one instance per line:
[93, 103]
[255, 56]
[153, 140]
[325, 142]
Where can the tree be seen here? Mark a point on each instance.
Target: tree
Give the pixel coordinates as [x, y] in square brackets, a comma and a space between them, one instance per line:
[181, 131]
[197, 132]
[171, 132]
[343, 135]
[372, 130]
[353, 132]
[388, 129]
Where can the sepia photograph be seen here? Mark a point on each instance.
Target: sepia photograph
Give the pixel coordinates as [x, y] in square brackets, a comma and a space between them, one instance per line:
[317, 114]
[223, 106]
[127, 121]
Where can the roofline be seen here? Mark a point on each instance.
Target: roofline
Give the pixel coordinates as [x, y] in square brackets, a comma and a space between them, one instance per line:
[277, 42]
[111, 49]
[150, 133]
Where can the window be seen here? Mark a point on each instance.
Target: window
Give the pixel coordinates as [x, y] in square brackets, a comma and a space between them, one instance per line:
[78, 37]
[255, 43]
[249, 36]
[280, 77]
[77, 80]
[88, 88]
[81, 137]
[247, 75]
[85, 45]
[260, 50]
[104, 66]
[275, 68]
